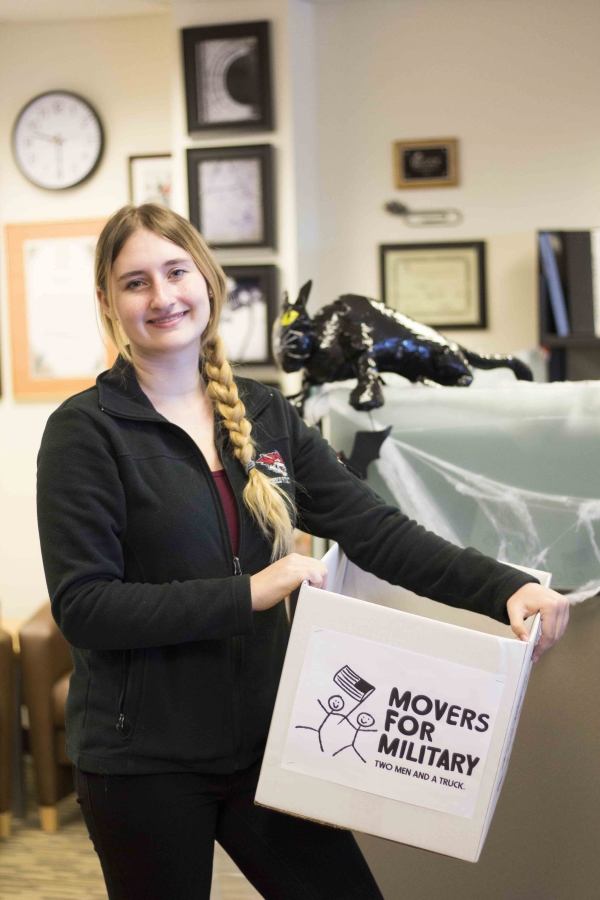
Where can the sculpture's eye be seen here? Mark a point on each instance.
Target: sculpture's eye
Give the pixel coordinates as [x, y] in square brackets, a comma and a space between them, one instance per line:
[288, 317]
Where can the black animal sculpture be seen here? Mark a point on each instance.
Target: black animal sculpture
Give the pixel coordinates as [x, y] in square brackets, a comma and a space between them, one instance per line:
[356, 337]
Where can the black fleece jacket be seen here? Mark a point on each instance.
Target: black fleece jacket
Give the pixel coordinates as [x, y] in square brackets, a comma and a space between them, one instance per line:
[173, 670]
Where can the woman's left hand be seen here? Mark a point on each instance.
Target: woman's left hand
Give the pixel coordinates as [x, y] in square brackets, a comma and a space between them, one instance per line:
[553, 608]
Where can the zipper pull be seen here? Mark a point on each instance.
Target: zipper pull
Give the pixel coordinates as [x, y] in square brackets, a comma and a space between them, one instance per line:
[237, 569]
[123, 726]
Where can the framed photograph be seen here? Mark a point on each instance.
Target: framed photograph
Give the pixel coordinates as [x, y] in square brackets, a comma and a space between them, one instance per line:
[232, 196]
[57, 346]
[247, 318]
[227, 71]
[442, 285]
[150, 179]
[422, 164]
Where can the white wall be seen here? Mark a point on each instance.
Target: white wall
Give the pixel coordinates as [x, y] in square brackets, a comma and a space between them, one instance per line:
[304, 92]
[123, 66]
[517, 82]
[188, 13]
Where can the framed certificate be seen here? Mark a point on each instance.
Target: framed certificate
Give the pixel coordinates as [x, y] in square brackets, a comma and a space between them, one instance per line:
[231, 195]
[57, 345]
[442, 285]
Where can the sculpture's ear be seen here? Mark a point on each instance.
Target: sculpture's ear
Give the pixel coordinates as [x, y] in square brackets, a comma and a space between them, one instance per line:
[303, 295]
[288, 313]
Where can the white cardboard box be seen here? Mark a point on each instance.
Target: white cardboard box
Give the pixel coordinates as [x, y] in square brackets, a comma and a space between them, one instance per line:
[395, 717]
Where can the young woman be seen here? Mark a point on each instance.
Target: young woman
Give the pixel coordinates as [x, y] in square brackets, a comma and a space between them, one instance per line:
[166, 534]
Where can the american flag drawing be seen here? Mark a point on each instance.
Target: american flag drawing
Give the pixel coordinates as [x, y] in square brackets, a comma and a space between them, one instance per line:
[353, 684]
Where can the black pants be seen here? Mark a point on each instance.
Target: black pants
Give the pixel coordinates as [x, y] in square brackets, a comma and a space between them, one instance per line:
[155, 835]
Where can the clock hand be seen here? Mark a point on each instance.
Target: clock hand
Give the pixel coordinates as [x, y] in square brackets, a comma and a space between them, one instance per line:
[48, 137]
[59, 159]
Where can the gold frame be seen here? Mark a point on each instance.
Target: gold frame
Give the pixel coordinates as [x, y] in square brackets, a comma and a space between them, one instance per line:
[450, 180]
[24, 386]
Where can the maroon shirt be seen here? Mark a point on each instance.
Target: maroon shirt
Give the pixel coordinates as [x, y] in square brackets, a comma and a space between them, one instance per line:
[230, 507]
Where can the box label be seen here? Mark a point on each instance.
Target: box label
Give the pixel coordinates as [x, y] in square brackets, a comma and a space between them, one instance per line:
[384, 720]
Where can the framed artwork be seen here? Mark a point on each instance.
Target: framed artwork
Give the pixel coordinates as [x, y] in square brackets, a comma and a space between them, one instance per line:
[227, 70]
[442, 285]
[248, 315]
[422, 164]
[150, 179]
[232, 196]
[57, 347]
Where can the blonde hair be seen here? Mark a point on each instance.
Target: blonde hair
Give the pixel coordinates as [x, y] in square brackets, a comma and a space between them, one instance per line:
[268, 504]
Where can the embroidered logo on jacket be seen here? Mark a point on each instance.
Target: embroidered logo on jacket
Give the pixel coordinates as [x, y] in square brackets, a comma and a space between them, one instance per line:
[275, 464]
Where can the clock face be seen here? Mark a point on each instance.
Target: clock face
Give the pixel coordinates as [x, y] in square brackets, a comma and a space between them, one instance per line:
[58, 140]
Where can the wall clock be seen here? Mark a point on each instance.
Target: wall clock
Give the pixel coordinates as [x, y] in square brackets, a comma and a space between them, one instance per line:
[58, 140]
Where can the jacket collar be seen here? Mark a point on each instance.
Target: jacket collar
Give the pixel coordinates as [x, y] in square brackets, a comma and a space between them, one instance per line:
[119, 393]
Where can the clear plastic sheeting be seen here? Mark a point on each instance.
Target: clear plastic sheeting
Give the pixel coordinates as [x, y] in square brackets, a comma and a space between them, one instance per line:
[511, 469]
[512, 512]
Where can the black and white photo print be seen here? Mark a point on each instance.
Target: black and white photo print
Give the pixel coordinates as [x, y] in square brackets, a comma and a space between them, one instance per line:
[247, 317]
[228, 76]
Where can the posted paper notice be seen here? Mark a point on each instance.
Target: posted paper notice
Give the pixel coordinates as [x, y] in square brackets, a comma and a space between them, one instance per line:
[388, 721]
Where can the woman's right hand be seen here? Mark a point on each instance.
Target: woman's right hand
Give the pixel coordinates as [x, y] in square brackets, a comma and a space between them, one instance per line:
[274, 583]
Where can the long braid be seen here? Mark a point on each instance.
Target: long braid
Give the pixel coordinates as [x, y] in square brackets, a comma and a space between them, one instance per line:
[267, 502]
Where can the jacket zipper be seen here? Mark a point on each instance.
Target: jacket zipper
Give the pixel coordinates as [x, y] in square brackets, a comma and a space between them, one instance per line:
[123, 726]
[237, 646]
[237, 650]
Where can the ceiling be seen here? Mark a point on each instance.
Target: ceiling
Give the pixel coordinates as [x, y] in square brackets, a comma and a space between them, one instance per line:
[50, 10]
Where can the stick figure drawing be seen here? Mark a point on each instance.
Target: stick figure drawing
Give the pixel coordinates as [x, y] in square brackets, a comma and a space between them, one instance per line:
[364, 720]
[336, 732]
[336, 705]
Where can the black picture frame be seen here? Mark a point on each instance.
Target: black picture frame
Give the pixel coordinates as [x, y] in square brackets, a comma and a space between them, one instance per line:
[227, 72]
[264, 281]
[221, 202]
[431, 261]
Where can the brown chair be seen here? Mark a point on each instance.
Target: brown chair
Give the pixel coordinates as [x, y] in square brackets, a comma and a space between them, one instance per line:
[46, 666]
[7, 726]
